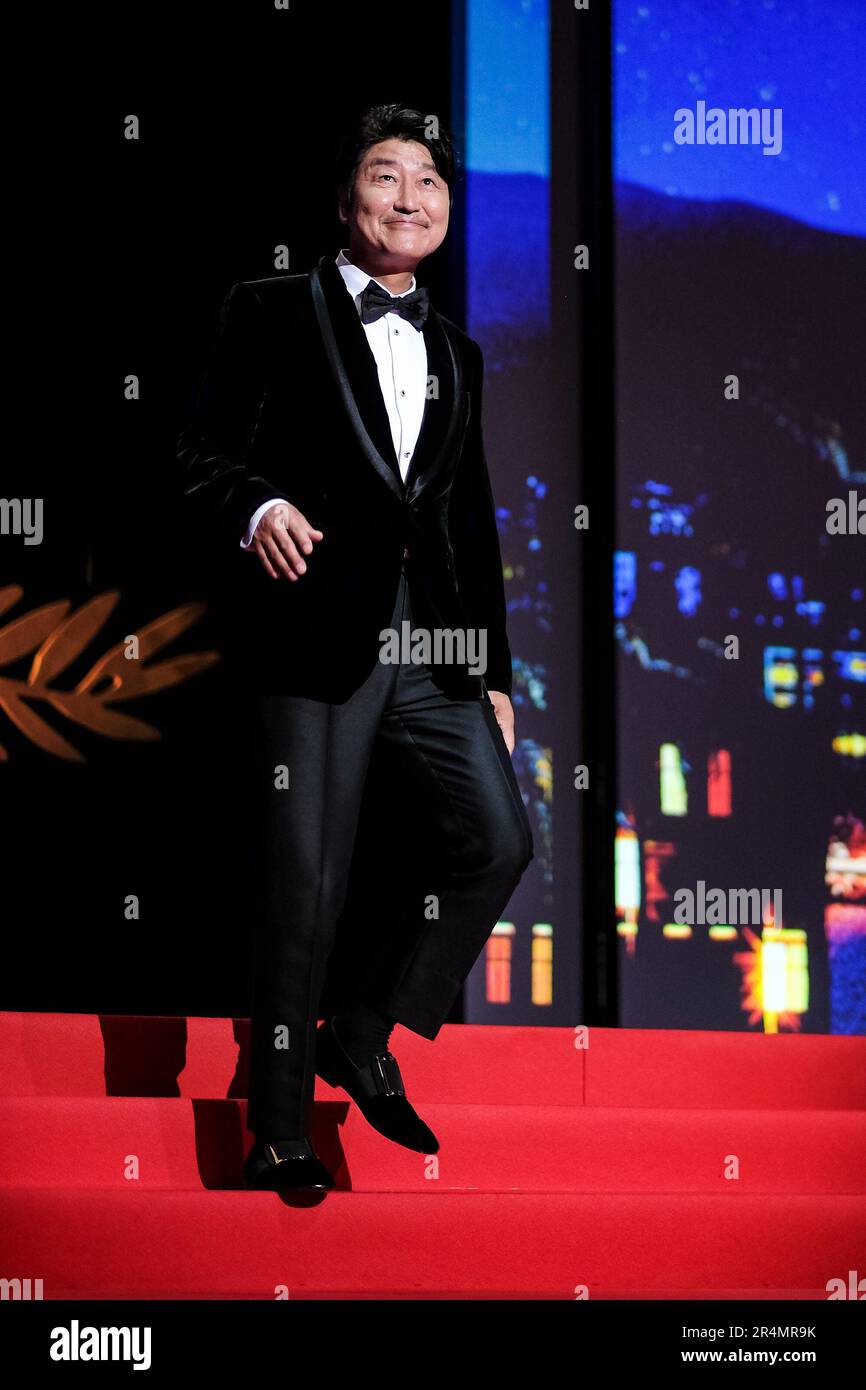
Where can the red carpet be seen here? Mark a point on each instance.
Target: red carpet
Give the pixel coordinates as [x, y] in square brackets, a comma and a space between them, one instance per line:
[603, 1168]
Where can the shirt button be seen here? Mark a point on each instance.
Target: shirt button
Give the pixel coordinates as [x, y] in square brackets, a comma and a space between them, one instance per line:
[402, 393]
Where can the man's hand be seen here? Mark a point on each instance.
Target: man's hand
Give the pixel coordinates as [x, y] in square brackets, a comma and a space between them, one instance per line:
[504, 712]
[282, 538]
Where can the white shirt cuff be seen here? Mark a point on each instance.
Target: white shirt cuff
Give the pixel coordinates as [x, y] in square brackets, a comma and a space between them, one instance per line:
[256, 518]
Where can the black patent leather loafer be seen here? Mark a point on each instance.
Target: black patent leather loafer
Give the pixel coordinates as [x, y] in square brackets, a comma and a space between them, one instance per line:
[377, 1089]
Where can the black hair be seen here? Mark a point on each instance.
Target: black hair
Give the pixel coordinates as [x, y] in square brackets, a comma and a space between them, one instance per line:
[395, 122]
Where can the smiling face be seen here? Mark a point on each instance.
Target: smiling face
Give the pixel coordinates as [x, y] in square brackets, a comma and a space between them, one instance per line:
[399, 209]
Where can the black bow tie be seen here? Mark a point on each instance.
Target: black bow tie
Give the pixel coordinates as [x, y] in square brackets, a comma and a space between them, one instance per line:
[375, 301]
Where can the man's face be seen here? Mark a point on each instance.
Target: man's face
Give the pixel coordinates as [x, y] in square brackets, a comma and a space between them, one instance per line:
[399, 211]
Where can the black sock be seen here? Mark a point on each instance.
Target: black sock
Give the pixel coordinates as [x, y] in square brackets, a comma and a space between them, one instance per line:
[363, 1032]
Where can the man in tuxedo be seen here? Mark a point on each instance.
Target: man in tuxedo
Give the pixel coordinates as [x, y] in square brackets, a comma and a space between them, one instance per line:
[334, 459]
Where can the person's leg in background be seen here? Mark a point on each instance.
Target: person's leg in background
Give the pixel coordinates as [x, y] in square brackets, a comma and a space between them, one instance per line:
[414, 926]
[456, 762]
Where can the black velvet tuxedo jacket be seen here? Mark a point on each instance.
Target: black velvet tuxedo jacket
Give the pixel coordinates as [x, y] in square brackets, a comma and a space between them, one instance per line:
[272, 419]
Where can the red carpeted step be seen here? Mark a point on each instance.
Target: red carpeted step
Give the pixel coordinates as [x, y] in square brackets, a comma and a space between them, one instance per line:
[485, 1295]
[80, 1142]
[91, 1055]
[240, 1244]
[667, 1067]
[83, 1054]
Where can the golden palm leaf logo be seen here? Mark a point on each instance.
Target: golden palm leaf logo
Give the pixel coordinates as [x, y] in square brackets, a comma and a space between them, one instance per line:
[57, 636]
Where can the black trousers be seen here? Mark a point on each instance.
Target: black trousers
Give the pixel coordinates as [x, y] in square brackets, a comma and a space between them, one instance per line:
[308, 763]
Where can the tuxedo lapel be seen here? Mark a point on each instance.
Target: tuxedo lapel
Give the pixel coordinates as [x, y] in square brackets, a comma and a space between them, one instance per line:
[438, 401]
[445, 418]
[359, 362]
[362, 393]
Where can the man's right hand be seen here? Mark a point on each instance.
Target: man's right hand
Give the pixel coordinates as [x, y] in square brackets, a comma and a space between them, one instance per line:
[282, 538]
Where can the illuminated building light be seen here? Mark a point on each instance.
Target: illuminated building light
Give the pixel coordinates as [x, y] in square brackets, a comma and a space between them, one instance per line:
[777, 585]
[627, 869]
[839, 456]
[719, 783]
[542, 770]
[627, 882]
[850, 745]
[775, 969]
[624, 582]
[812, 675]
[813, 678]
[676, 931]
[784, 974]
[851, 665]
[656, 853]
[688, 587]
[845, 864]
[813, 610]
[798, 971]
[637, 647]
[530, 685]
[670, 520]
[673, 794]
[542, 963]
[845, 932]
[781, 676]
[498, 963]
[720, 933]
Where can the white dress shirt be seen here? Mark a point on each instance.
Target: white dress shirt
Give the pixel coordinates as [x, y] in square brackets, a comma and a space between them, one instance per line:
[401, 362]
